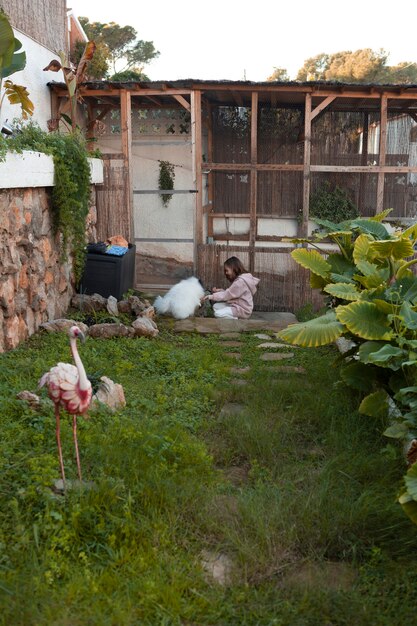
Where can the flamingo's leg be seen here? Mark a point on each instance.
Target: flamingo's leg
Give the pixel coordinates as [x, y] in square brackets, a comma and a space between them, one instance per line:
[58, 441]
[74, 432]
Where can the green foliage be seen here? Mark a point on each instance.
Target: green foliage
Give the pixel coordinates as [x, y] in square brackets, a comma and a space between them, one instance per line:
[361, 66]
[333, 204]
[166, 180]
[375, 305]
[118, 43]
[71, 192]
[12, 61]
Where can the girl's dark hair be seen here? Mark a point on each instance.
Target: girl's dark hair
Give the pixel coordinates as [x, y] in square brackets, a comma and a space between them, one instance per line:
[236, 266]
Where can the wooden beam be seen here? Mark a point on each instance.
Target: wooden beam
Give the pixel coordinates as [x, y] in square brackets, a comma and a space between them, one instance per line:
[245, 167]
[183, 102]
[253, 179]
[306, 166]
[197, 152]
[382, 153]
[364, 160]
[126, 132]
[365, 169]
[318, 109]
[210, 176]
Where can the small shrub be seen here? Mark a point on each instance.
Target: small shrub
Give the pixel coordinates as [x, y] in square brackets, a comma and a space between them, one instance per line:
[332, 204]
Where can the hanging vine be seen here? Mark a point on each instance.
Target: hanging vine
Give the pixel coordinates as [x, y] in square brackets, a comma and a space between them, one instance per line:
[166, 180]
[71, 192]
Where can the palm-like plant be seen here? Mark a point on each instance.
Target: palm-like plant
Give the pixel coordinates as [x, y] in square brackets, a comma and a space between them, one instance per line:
[12, 60]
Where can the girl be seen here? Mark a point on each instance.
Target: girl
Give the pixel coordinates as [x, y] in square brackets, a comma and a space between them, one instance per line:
[236, 302]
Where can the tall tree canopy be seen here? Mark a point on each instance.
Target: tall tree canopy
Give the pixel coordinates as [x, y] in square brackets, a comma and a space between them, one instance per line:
[118, 44]
[361, 66]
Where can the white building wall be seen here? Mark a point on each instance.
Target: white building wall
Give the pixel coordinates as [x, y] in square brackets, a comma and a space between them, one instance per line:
[35, 80]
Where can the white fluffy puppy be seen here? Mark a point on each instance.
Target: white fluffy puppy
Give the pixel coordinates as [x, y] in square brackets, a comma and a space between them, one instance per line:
[181, 300]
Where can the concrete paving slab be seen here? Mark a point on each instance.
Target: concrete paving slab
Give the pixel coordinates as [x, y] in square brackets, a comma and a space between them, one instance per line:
[232, 408]
[262, 336]
[287, 369]
[278, 356]
[272, 321]
[233, 355]
[276, 346]
[232, 344]
[240, 370]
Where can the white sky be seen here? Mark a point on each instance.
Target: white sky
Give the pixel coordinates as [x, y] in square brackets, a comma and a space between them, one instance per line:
[232, 39]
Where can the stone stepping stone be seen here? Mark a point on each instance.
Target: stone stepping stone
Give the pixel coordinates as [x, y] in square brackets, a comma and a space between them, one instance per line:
[233, 355]
[217, 567]
[262, 336]
[276, 346]
[232, 408]
[229, 336]
[240, 370]
[270, 356]
[288, 369]
[232, 344]
[239, 382]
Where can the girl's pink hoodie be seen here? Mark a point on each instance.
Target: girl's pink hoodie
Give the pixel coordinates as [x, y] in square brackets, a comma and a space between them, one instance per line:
[239, 296]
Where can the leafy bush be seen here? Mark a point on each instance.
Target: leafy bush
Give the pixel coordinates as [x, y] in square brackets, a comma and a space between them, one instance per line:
[332, 204]
[374, 303]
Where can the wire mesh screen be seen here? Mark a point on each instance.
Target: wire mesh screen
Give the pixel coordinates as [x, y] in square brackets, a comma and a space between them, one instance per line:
[280, 193]
[280, 134]
[283, 286]
[231, 192]
[231, 134]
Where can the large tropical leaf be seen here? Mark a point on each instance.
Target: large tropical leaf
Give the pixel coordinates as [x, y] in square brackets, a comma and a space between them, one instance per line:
[316, 281]
[365, 320]
[17, 94]
[411, 232]
[408, 503]
[7, 42]
[341, 278]
[386, 307]
[316, 332]
[395, 248]
[311, 260]
[386, 356]
[17, 63]
[362, 250]
[358, 375]
[343, 291]
[375, 405]
[410, 480]
[376, 229]
[379, 217]
[408, 316]
[372, 280]
[341, 265]
[397, 430]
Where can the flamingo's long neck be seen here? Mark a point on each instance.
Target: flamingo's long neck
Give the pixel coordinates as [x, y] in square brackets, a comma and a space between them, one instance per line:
[82, 380]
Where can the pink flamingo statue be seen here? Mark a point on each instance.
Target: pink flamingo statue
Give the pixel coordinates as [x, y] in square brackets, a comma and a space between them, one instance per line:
[69, 387]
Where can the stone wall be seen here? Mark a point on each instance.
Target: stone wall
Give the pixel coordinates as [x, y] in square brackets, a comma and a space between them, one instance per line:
[35, 284]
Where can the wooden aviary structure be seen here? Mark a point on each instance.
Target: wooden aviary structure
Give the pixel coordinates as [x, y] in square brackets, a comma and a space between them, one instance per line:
[256, 153]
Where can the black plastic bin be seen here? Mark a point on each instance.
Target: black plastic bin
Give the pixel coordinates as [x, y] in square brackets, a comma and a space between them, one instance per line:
[109, 275]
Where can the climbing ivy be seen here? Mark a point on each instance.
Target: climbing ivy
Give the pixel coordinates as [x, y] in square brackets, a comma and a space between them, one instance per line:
[166, 180]
[70, 195]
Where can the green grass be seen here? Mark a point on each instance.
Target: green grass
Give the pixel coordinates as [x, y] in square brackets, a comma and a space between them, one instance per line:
[311, 525]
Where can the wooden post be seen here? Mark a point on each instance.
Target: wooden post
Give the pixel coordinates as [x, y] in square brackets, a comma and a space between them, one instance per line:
[382, 153]
[364, 161]
[253, 179]
[126, 130]
[303, 231]
[197, 155]
[210, 175]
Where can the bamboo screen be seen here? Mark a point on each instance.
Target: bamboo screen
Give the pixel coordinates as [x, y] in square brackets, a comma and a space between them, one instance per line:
[43, 20]
[338, 139]
[284, 285]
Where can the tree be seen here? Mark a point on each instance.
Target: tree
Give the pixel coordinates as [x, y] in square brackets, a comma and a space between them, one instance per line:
[361, 66]
[119, 43]
[280, 74]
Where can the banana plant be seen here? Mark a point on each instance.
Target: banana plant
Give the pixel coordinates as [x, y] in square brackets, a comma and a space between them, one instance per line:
[12, 60]
[373, 295]
[73, 77]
